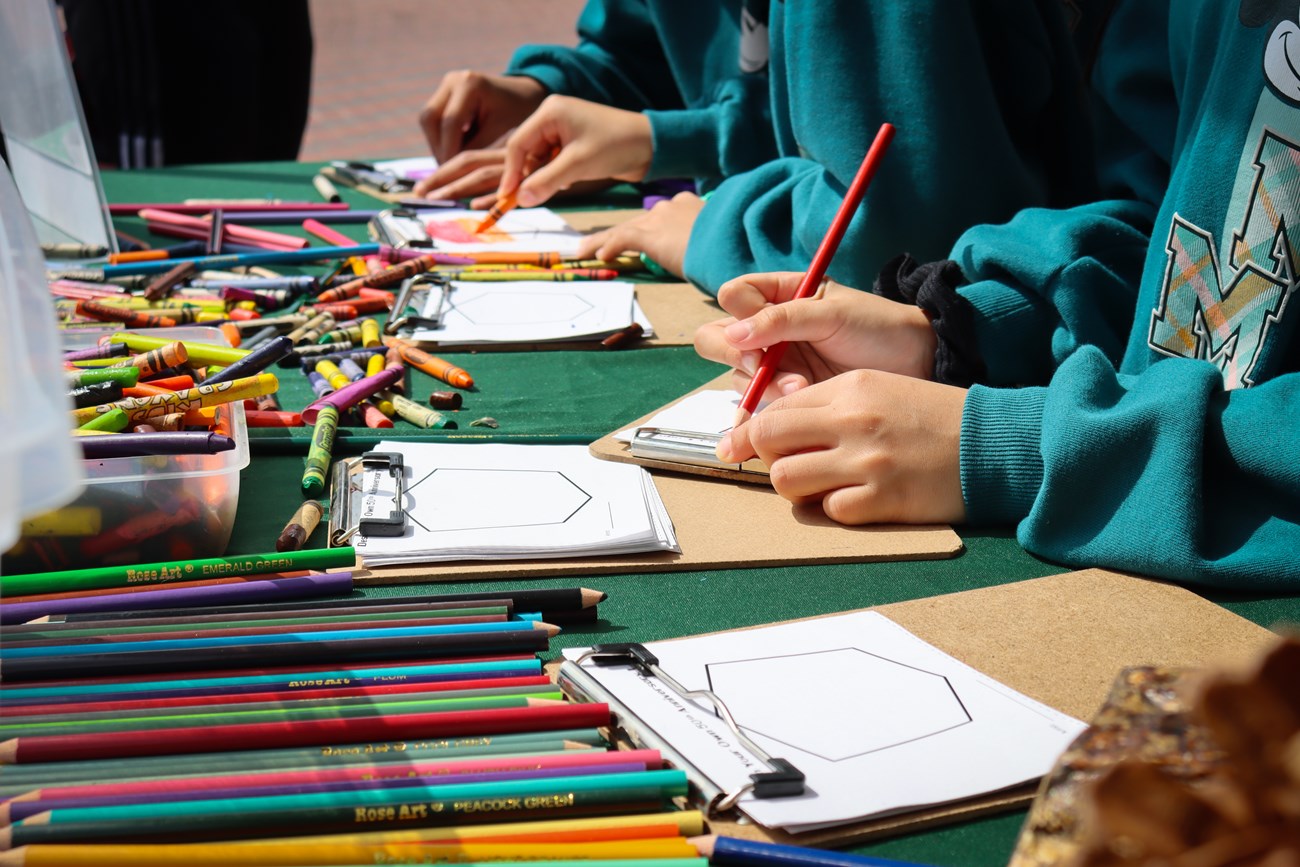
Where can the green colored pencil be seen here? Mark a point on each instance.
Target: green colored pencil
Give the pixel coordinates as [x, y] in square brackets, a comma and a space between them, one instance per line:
[182, 570]
[370, 809]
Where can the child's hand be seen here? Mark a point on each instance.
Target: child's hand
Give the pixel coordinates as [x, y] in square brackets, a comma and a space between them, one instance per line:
[567, 141]
[843, 330]
[661, 233]
[473, 109]
[468, 173]
[871, 447]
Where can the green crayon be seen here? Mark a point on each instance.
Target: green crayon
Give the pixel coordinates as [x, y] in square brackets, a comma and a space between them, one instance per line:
[124, 376]
[319, 455]
[113, 421]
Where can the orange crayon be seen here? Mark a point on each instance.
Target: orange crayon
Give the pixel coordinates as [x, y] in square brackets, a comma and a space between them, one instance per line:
[431, 364]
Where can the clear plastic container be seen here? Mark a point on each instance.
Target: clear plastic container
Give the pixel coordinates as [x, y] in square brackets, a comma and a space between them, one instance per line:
[143, 509]
[40, 467]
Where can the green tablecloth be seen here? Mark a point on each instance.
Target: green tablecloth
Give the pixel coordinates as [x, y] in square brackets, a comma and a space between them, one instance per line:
[589, 394]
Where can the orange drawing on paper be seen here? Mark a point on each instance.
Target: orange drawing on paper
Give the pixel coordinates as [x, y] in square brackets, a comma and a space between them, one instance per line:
[461, 231]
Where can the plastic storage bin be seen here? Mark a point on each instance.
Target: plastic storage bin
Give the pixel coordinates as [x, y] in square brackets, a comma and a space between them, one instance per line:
[142, 509]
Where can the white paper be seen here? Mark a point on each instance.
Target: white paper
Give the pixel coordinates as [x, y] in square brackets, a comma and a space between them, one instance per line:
[528, 230]
[529, 311]
[503, 502]
[878, 720]
[410, 168]
[711, 411]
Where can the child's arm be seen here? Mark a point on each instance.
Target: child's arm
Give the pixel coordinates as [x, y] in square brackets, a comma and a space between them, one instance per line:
[1165, 473]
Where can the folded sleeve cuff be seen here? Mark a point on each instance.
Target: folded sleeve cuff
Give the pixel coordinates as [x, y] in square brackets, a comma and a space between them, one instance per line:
[1001, 453]
[1005, 320]
[685, 143]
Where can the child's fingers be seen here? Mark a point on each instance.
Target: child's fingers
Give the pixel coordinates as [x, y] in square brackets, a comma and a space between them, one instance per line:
[746, 295]
[552, 177]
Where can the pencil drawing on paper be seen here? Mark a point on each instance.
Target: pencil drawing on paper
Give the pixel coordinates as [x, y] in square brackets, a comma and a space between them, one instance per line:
[851, 702]
[491, 499]
[496, 307]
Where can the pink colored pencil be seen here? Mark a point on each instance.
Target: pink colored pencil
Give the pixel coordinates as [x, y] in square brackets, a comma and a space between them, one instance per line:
[130, 209]
[250, 235]
[649, 758]
[326, 234]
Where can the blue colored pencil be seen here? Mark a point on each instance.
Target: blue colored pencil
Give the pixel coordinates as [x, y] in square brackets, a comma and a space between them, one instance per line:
[273, 257]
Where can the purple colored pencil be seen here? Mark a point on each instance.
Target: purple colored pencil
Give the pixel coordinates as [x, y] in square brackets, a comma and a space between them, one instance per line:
[269, 590]
[161, 443]
[23, 809]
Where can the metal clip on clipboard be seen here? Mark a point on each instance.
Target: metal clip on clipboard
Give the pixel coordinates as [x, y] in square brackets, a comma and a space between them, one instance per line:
[407, 303]
[781, 780]
[346, 519]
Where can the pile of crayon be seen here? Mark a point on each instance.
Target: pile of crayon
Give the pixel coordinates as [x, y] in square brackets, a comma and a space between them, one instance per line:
[317, 731]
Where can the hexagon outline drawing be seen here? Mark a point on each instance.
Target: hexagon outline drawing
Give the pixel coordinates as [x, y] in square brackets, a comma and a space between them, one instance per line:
[854, 704]
[500, 302]
[465, 515]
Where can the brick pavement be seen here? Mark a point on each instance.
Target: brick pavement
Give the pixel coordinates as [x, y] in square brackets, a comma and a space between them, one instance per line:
[378, 61]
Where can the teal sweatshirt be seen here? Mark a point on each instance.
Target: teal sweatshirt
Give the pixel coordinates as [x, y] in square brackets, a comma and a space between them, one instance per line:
[986, 100]
[682, 66]
[1157, 426]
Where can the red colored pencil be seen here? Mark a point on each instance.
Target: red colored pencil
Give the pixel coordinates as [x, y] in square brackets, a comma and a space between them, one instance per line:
[821, 261]
[252, 736]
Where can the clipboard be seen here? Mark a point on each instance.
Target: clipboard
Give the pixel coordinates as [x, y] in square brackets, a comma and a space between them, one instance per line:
[780, 534]
[691, 451]
[1059, 640]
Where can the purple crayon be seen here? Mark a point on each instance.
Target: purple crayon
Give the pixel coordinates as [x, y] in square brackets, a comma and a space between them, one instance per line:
[105, 350]
[351, 395]
[161, 443]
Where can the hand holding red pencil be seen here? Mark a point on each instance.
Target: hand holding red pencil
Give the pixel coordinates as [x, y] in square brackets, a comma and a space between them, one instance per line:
[821, 261]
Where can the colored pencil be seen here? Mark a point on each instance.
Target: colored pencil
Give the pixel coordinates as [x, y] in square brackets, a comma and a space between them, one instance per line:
[163, 572]
[43, 638]
[19, 810]
[449, 769]
[485, 686]
[144, 588]
[347, 633]
[287, 678]
[812, 278]
[326, 710]
[130, 209]
[328, 584]
[112, 622]
[235, 854]
[275, 257]
[415, 806]
[20, 779]
[735, 852]
[421, 646]
[557, 599]
[49, 748]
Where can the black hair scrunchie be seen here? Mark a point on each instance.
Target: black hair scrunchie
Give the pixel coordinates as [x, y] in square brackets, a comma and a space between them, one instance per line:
[933, 288]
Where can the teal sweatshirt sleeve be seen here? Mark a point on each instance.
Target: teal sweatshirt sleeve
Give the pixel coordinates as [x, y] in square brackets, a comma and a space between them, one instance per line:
[1166, 473]
[1047, 282]
[729, 135]
[981, 132]
[619, 59]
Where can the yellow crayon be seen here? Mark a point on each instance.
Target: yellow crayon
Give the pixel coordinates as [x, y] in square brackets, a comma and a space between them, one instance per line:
[369, 333]
[68, 521]
[141, 408]
[335, 377]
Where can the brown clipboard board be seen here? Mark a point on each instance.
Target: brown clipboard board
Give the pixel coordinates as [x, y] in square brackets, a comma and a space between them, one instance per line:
[1059, 640]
